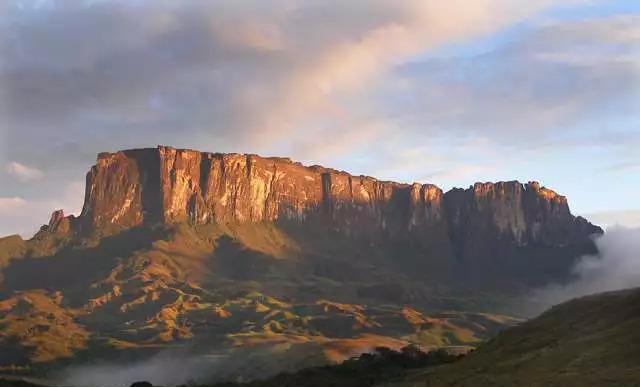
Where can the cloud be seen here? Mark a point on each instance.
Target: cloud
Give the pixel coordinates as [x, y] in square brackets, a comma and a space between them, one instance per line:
[22, 172]
[247, 73]
[617, 266]
[466, 161]
[168, 369]
[24, 215]
[625, 218]
[628, 166]
[182, 366]
[10, 206]
[541, 87]
[460, 172]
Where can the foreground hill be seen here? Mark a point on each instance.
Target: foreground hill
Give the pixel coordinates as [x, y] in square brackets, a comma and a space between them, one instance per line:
[590, 341]
[226, 254]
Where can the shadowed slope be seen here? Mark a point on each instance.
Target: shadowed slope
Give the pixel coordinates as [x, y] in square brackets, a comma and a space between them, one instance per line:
[226, 288]
[10, 247]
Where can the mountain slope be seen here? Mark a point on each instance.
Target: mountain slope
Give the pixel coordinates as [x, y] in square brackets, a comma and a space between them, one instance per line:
[143, 186]
[590, 341]
[502, 234]
[223, 289]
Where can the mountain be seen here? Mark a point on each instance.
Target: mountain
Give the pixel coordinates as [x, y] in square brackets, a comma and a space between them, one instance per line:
[507, 226]
[239, 255]
[590, 341]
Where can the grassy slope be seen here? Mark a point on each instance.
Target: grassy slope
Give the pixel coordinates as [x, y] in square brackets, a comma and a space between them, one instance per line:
[591, 341]
[10, 247]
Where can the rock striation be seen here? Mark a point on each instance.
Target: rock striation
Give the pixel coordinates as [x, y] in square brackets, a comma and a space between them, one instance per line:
[59, 224]
[143, 186]
[168, 185]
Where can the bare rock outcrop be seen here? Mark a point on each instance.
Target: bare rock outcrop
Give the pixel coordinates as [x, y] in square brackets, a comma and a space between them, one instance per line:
[130, 188]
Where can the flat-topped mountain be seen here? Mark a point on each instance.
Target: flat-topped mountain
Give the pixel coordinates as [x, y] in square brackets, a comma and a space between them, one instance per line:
[228, 252]
[132, 187]
[145, 186]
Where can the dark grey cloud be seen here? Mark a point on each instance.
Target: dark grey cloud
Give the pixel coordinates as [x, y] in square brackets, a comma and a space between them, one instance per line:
[110, 74]
[98, 71]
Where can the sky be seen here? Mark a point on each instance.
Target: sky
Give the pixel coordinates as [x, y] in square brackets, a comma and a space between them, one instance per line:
[446, 92]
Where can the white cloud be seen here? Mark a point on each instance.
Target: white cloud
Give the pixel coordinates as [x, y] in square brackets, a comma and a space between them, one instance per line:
[617, 266]
[624, 167]
[535, 89]
[626, 218]
[12, 205]
[22, 216]
[23, 172]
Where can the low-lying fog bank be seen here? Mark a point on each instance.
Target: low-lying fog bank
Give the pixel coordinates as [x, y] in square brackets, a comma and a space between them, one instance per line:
[617, 266]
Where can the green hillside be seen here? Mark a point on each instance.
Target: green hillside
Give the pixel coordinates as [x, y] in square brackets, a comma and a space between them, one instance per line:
[590, 341]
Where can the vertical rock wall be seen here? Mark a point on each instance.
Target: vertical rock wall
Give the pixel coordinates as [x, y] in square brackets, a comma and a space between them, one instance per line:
[132, 187]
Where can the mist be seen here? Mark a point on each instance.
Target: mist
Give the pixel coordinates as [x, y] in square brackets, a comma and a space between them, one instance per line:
[188, 365]
[167, 369]
[617, 266]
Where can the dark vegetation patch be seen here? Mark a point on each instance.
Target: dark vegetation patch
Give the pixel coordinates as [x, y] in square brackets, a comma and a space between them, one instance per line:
[369, 369]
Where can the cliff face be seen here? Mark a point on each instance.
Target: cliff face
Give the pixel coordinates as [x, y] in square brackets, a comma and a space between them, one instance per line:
[526, 214]
[133, 187]
[130, 188]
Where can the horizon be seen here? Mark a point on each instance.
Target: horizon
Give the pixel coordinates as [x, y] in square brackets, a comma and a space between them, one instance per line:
[447, 94]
